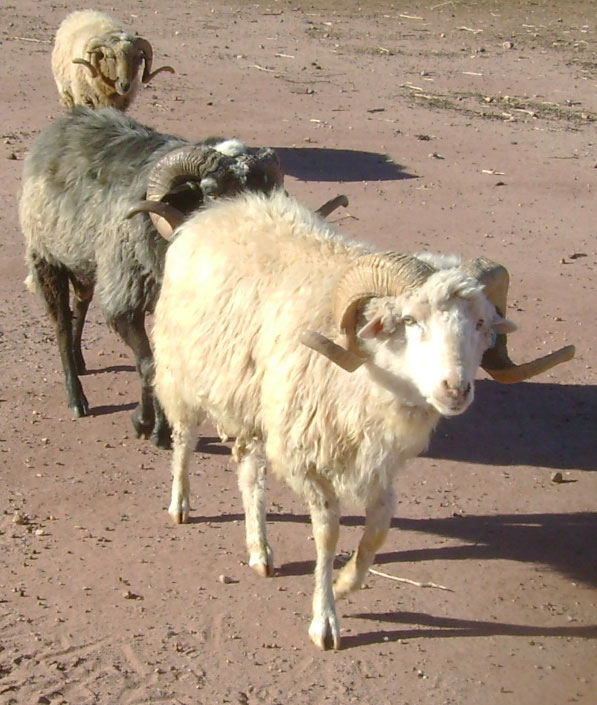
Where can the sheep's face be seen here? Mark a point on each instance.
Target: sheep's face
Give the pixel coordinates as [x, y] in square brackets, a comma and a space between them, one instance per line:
[429, 344]
[118, 61]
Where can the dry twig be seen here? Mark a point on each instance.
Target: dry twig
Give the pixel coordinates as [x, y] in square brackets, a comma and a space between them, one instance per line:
[410, 582]
[262, 68]
[32, 39]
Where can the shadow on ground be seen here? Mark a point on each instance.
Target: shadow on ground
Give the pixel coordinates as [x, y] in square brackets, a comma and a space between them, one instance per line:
[431, 627]
[566, 543]
[318, 164]
[541, 425]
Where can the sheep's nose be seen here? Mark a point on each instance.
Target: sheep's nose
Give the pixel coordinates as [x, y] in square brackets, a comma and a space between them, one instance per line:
[457, 391]
[124, 87]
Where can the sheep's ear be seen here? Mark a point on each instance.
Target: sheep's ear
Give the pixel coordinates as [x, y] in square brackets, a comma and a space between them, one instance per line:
[372, 329]
[503, 325]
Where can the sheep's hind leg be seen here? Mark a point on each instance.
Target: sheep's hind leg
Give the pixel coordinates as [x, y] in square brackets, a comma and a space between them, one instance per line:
[377, 523]
[251, 481]
[183, 441]
[324, 630]
[82, 299]
[53, 282]
[148, 418]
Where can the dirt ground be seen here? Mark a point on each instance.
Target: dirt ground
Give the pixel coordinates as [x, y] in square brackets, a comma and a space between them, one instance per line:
[457, 126]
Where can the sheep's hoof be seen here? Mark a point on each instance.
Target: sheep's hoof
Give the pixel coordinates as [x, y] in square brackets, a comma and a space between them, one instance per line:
[179, 516]
[325, 632]
[143, 427]
[80, 407]
[263, 565]
[162, 437]
[262, 569]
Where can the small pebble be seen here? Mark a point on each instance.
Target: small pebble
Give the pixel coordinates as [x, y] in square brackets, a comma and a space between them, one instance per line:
[557, 477]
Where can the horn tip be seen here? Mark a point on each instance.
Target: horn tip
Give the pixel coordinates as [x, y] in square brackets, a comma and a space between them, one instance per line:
[345, 359]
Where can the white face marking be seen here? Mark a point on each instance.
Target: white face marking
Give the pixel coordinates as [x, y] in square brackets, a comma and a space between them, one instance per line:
[436, 347]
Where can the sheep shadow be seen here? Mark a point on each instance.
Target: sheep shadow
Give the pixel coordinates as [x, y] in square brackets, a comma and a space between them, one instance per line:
[110, 368]
[541, 425]
[212, 445]
[432, 627]
[563, 542]
[319, 164]
[106, 409]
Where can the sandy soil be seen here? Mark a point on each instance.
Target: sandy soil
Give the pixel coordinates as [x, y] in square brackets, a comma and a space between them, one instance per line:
[465, 127]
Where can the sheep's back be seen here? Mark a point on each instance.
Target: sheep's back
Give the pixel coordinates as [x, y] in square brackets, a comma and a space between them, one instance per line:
[81, 175]
[79, 179]
[242, 281]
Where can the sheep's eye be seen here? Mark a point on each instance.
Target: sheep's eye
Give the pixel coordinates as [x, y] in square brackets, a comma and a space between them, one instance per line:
[408, 320]
[480, 324]
[100, 55]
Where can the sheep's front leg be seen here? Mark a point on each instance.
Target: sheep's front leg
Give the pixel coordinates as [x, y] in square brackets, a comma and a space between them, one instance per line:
[377, 523]
[251, 481]
[325, 518]
[183, 442]
[148, 418]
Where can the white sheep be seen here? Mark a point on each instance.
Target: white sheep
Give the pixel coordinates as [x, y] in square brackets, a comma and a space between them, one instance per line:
[250, 286]
[97, 63]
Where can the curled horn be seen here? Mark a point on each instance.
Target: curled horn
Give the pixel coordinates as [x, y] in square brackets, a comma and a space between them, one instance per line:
[190, 162]
[166, 220]
[88, 65]
[336, 353]
[387, 274]
[176, 168]
[146, 49]
[94, 45]
[496, 361]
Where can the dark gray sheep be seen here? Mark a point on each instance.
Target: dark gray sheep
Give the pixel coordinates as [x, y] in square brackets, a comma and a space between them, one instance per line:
[81, 178]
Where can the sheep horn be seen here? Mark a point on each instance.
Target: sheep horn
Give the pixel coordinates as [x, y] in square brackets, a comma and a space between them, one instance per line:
[95, 44]
[343, 358]
[145, 48]
[386, 274]
[167, 219]
[331, 205]
[198, 164]
[88, 65]
[496, 361]
[187, 163]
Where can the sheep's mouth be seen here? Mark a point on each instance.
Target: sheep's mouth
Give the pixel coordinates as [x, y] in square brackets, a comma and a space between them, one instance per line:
[119, 88]
[450, 408]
